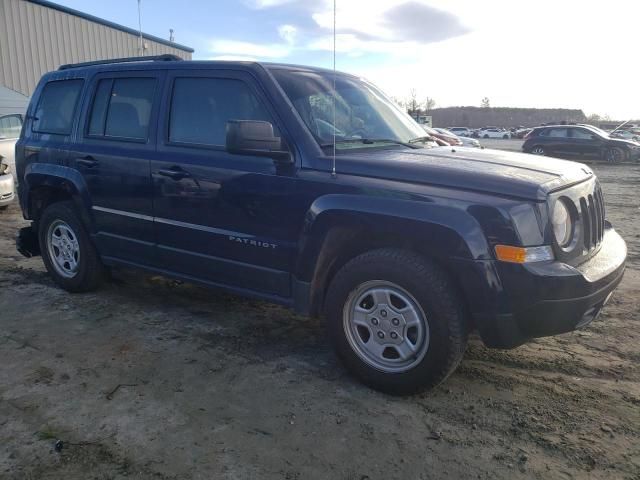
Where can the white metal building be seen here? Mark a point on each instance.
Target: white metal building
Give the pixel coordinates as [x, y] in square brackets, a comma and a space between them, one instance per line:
[37, 36]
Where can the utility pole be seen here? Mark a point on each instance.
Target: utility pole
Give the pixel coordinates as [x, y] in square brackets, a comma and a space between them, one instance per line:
[140, 30]
[171, 37]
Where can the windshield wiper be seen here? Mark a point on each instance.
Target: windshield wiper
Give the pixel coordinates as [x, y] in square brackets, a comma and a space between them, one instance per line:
[423, 139]
[369, 141]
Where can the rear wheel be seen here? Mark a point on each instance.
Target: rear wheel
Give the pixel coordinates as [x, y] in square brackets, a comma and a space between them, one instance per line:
[506, 137]
[396, 321]
[67, 251]
[486, 136]
[614, 155]
[538, 151]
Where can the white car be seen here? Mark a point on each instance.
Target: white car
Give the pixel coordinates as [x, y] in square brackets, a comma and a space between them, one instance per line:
[494, 133]
[466, 141]
[10, 126]
[461, 131]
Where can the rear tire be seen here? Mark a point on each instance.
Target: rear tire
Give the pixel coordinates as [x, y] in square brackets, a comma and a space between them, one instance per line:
[67, 251]
[413, 310]
[538, 151]
[505, 137]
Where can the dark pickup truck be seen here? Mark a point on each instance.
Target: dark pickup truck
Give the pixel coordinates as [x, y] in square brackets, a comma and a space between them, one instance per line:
[242, 176]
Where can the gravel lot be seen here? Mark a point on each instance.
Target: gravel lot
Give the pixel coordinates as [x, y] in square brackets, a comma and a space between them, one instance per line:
[152, 379]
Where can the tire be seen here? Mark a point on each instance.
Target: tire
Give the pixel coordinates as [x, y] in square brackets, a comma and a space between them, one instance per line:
[486, 136]
[81, 269]
[538, 150]
[436, 348]
[505, 137]
[614, 155]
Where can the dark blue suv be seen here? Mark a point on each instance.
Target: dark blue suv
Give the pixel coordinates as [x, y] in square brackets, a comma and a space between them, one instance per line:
[224, 174]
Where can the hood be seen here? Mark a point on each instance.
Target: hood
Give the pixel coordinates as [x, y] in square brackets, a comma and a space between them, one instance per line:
[491, 171]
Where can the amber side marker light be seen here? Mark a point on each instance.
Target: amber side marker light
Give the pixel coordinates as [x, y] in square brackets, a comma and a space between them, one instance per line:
[507, 253]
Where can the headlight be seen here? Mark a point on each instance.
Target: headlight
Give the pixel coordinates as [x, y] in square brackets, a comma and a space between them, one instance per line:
[562, 223]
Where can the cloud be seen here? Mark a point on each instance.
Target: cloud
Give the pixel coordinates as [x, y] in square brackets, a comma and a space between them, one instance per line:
[260, 4]
[422, 23]
[288, 33]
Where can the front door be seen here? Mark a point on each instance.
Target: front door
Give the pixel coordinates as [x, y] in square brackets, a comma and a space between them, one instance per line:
[114, 143]
[222, 218]
[586, 142]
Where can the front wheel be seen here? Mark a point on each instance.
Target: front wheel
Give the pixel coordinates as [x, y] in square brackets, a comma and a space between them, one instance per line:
[505, 137]
[67, 251]
[396, 321]
[614, 155]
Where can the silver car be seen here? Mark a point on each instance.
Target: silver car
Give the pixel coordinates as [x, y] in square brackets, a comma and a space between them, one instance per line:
[10, 126]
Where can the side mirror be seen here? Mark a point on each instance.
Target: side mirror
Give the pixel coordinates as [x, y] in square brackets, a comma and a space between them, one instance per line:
[255, 137]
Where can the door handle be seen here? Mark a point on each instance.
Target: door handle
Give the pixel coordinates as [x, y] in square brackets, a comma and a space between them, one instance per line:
[174, 173]
[88, 161]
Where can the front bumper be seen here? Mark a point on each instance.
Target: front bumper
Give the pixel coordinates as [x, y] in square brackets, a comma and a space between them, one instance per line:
[7, 189]
[549, 298]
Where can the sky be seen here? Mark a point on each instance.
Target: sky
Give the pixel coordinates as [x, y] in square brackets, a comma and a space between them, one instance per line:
[534, 53]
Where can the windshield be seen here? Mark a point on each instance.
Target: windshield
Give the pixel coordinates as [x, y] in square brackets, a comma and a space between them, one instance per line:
[362, 111]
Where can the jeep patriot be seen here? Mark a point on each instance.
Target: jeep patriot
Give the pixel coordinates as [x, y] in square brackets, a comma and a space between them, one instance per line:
[224, 174]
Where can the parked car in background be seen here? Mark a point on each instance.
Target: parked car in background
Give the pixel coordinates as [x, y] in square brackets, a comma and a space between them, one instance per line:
[521, 133]
[461, 131]
[626, 134]
[10, 126]
[7, 185]
[466, 141]
[494, 132]
[448, 139]
[579, 141]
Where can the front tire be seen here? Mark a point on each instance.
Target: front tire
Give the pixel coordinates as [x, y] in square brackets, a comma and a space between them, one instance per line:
[67, 251]
[614, 155]
[396, 321]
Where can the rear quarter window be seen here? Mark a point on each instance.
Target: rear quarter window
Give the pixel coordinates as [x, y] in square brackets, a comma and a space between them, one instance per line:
[57, 106]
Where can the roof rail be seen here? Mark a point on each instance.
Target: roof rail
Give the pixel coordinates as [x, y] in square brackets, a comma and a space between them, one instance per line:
[153, 58]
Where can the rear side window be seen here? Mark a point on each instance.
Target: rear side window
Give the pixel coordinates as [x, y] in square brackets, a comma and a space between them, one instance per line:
[122, 108]
[10, 126]
[201, 107]
[56, 107]
[555, 133]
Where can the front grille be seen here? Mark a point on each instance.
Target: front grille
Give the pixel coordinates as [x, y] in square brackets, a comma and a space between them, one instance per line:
[592, 214]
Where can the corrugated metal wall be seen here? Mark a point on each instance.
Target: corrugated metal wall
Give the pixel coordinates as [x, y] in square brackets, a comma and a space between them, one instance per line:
[35, 39]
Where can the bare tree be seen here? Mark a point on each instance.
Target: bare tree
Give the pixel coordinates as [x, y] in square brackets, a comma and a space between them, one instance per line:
[485, 103]
[429, 104]
[413, 106]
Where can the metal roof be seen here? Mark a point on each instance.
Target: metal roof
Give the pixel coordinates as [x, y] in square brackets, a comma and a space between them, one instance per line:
[86, 16]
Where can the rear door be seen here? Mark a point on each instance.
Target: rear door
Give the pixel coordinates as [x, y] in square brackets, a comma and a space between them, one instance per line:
[226, 219]
[556, 141]
[115, 140]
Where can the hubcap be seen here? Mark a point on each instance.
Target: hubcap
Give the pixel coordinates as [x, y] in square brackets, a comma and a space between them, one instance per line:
[64, 249]
[385, 326]
[538, 151]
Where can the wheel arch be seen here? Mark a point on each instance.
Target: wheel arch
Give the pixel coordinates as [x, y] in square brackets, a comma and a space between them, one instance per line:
[341, 227]
[45, 184]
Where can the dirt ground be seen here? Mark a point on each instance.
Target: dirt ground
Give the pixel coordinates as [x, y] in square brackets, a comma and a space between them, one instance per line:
[152, 379]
